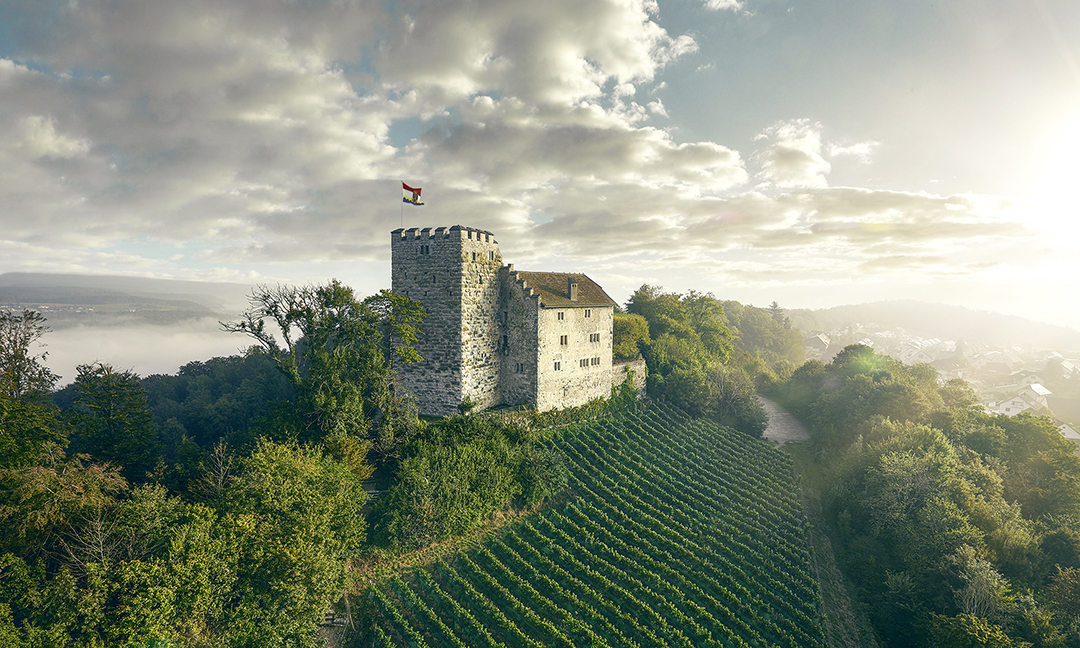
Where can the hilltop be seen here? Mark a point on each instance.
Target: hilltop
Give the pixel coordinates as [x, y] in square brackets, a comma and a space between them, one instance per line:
[942, 321]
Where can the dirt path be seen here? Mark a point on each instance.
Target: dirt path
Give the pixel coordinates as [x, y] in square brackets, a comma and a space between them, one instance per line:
[782, 426]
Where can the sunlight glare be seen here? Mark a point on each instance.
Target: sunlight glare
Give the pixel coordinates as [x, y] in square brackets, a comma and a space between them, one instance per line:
[1054, 203]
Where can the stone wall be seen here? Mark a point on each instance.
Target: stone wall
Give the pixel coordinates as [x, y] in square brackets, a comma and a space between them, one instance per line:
[620, 369]
[453, 271]
[574, 355]
[518, 310]
[480, 335]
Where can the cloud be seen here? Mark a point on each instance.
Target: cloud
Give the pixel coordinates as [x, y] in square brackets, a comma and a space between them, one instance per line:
[723, 5]
[42, 141]
[218, 140]
[792, 156]
[259, 131]
[861, 151]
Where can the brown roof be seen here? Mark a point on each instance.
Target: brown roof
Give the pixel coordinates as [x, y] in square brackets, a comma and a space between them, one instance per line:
[552, 287]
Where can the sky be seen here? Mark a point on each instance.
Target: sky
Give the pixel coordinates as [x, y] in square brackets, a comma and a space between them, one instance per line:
[809, 153]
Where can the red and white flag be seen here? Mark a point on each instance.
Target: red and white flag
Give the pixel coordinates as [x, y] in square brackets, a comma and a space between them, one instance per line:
[412, 195]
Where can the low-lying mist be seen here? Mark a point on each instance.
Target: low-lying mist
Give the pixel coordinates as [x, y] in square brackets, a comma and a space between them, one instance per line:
[142, 348]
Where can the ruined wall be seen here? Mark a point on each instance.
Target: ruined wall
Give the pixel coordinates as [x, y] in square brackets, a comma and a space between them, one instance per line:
[574, 355]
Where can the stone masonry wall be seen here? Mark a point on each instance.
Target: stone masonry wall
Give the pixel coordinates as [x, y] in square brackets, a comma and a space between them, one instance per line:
[574, 367]
[481, 262]
[486, 338]
[454, 272]
[518, 310]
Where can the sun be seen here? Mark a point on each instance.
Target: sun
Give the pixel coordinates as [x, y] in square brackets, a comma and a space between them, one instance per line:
[1054, 195]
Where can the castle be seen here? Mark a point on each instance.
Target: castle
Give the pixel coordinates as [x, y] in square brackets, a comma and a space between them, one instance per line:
[494, 335]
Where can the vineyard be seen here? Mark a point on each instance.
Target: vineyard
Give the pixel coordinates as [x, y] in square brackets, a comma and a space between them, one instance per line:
[678, 532]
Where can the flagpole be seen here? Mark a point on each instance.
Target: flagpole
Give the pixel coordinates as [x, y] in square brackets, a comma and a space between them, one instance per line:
[401, 210]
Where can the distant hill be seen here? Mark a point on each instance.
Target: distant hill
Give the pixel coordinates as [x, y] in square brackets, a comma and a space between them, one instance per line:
[930, 320]
[95, 300]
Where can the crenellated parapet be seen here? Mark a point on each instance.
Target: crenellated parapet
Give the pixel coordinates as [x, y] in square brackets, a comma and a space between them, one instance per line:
[495, 335]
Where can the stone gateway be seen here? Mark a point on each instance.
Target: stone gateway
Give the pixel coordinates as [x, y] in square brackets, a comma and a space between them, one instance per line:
[494, 335]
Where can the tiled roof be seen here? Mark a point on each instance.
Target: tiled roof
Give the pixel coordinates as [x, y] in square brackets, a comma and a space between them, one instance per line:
[552, 287]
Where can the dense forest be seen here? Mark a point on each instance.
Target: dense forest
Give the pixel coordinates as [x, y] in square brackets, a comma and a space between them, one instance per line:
[953, 526]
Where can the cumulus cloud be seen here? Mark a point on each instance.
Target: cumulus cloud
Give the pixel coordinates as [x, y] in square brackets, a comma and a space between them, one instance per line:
[722, 5]
[262, 130]
[861, 151]
[260, 133]
[792, 154]
[41, 140]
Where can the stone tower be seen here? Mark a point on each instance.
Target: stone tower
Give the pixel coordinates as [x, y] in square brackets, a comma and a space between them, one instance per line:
[454, 272]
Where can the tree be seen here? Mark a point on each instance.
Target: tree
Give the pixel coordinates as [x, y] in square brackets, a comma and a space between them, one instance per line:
[335, 351]
[21, 371]
[629, 334]
[297, 515]
[112, 420]
[968, 631]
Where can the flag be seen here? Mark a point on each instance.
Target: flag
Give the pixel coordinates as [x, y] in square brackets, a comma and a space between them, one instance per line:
[412, 195]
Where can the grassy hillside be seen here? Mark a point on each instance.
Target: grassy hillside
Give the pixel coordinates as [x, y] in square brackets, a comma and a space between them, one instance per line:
[677, 532]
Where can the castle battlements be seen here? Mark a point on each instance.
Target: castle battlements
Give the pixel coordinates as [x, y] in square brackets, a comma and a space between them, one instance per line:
[454, 231]
[496, 335]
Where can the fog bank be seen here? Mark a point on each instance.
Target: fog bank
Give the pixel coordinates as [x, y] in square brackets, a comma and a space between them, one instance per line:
[143, 348]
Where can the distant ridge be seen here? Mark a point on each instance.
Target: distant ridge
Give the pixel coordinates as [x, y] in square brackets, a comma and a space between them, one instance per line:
[102, 300]
[210, 294]
[942, 321]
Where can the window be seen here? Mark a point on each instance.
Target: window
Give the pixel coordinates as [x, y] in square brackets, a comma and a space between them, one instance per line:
[595, 361]
[564, 340]
[425, 249]
[521, 367]
[470, 233]
[558, 366]
[594, 337]
[434, 279]
[560, 315]
[584, 362]
[588, 312]
[474, 256]
[491, 255]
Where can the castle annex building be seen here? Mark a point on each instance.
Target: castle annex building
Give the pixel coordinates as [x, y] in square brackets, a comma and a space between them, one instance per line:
[494, 335]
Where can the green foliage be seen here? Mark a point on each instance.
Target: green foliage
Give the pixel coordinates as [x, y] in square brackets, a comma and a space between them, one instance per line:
[217, 400]
[21, 370]
[969, 631]
[629, 334]
[27, 426]
[655, 547]
[93, 564]
[938, 507]
[462, 471]
[112, 421]
[336, 352]
[691, 360]
[766, 334]
[296, 518]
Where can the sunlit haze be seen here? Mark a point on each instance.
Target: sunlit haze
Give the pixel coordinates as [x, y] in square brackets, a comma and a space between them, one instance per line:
[813, 154]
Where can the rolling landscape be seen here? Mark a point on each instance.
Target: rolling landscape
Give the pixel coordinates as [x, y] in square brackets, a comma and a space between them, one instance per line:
[504, 323]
